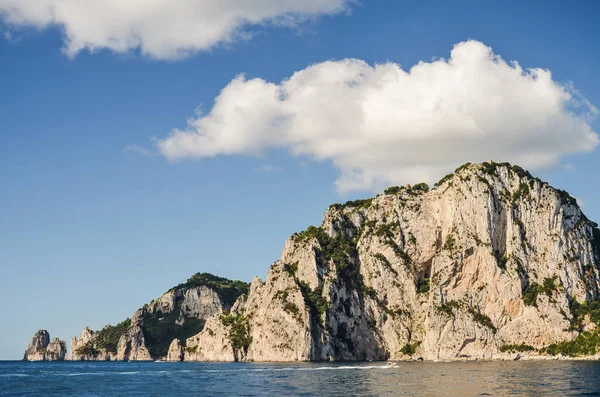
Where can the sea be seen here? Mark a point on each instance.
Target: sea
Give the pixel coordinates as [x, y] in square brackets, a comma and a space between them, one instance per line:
[527, 378]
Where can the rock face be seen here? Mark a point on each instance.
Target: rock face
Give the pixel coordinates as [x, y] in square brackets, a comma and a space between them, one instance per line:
[132, 345]
[490, 262]
[149, 335]
[42, 349]
[175, 353]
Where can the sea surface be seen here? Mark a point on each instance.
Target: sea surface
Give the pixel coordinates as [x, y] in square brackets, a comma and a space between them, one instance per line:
[551, 378]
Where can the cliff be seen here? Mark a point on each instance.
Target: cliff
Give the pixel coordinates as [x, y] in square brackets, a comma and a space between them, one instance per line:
[41, 348]
[491, 263]
[177, 315]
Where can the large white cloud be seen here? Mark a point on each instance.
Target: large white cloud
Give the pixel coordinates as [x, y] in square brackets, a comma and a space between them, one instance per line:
[381, 125]
[164, 29]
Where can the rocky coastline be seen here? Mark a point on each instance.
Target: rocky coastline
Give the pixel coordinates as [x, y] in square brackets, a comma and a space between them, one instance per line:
[490, 264]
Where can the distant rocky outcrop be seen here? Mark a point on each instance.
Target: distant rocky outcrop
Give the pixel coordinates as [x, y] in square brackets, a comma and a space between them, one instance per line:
[41, 348]
[152, 331]
[490, 263]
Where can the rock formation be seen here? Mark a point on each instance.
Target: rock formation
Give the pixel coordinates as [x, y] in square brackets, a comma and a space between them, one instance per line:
[175, 351]
[491, 263]
[42, 349]
[151, 332]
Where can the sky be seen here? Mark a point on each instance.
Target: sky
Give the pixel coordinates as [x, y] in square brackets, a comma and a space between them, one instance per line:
[143, 142]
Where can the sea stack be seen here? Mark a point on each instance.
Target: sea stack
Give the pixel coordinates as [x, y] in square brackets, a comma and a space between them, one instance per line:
[42, 349]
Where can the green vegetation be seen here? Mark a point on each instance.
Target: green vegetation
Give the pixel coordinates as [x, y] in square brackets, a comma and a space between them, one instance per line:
[412, 239]
[443, 180]
[106, 339]
[586, 343]
[523, 191]
[530, 294]
[341, 249]
[521, 172]
[385, 231]
[312, 232]
[191, 349]
[393, 190]
[489, 168]
[359, 203]
[450, 243]
[239, 331]
[580, 310]
[516, 348]
[314, 298]
[462, 167]
[566, 198]
[367, 290]
[161, 328]
[228, 290]
[501, 259]
[482, 319]
[448, 307]
[379, 256]
[288, 306]
[365, 203]
[410, 348]
[291, 269]
[422, 285]
[420, 187]
[532, 291]
[88, 350]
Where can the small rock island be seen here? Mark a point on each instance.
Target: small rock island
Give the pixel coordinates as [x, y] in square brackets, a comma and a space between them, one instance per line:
[42, 349]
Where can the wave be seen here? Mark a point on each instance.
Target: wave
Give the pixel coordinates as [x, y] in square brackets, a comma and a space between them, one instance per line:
[323, 368]
[328, 368]
[230, 370]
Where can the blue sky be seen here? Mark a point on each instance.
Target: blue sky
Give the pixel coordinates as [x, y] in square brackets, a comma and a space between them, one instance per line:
[96, 220]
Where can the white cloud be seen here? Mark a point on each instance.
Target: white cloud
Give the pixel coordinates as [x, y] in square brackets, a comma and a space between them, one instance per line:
[381, 125]
[163, 29]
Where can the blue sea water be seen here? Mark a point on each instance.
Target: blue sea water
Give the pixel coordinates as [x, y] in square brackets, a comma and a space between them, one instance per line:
[551, 378]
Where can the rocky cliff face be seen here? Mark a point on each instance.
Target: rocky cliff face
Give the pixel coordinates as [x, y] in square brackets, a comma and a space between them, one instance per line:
[489, 263]
[492, 263]
[41, 348]
[157, 330]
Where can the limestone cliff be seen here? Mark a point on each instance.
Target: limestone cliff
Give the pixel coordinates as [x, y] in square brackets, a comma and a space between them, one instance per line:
[490, 262]
[41, 348]
[155, 330]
